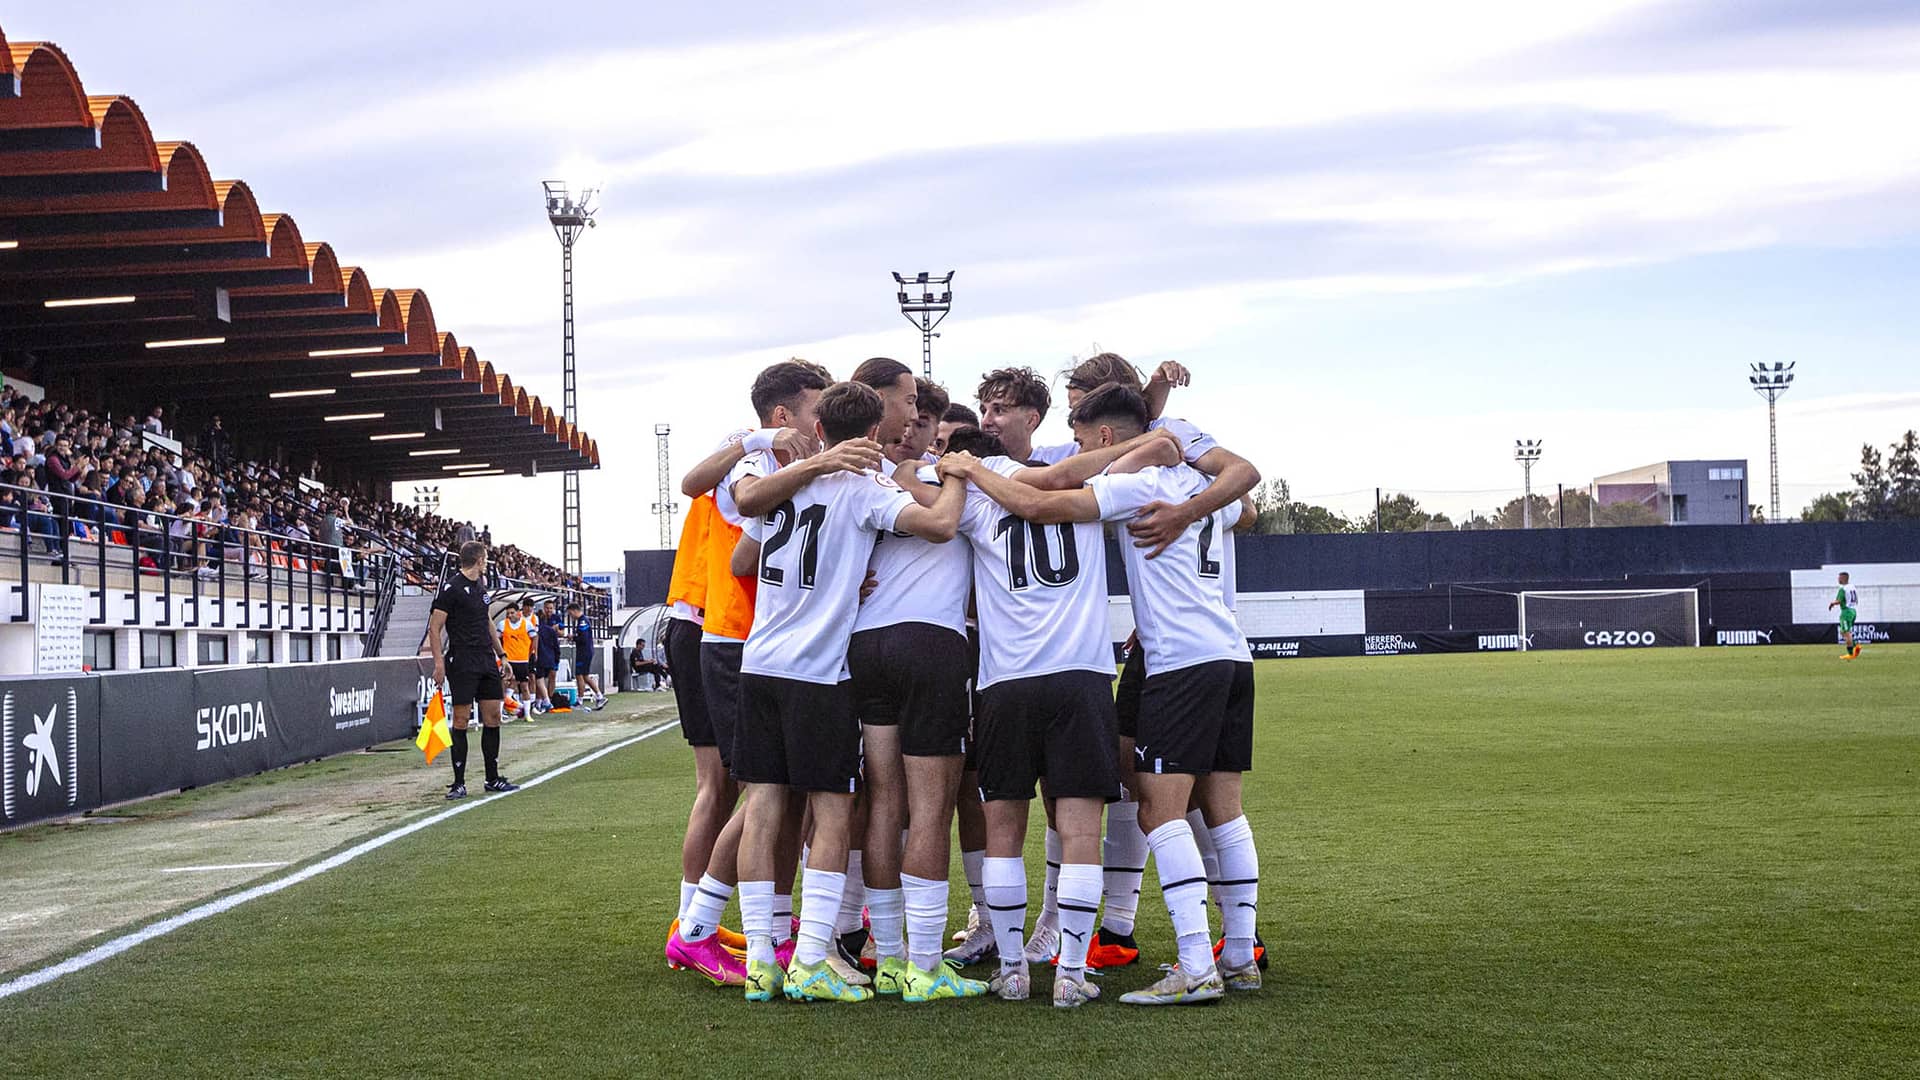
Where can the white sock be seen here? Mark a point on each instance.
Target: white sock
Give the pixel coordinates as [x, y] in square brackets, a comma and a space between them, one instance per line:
[756, 918]
[887, 908]
[1079, 906]
[1239, 889]
[703, 912]
[687, 889]
[1125, 853]
[926, 912]
[852, 899]
[974, 862]
[1006, 887]
[1183, 885]
[1050, 903]
[819, 902]
[1203, 838]
[782, 918]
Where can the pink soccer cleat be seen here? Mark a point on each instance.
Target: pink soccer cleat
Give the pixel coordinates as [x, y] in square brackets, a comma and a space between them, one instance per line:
[783, 952]
[709, 958]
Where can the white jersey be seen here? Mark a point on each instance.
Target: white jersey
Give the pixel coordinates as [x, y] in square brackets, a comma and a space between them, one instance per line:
[1194, 443]
[917, 581]
[813, 558]
[1182, 602]
[1041, 591]
[1054, 455]
[755, 463]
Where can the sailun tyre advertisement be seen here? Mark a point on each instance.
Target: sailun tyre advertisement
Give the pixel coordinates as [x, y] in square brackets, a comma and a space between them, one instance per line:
[75, 743]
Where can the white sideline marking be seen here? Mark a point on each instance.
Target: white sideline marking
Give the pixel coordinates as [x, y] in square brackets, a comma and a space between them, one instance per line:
[228, 866]
[227, 903]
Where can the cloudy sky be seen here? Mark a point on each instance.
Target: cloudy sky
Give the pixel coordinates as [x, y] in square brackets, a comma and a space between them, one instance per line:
[1388, 238]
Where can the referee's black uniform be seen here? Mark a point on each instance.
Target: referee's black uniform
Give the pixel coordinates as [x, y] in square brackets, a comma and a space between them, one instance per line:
[473, 675]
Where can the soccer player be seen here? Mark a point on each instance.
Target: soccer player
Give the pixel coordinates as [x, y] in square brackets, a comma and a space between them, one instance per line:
[516, 638]
[898, 391]
[470, 666]
[1196, 707]
[957, 416]
[1848, 601]
[797, 729]
[586, 685]
[546, 657]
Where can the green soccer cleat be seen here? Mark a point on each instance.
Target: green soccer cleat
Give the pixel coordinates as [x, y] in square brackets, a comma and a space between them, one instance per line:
[890, 976]
[765, 981]
[1241, 978]
[944, 982]
[1175, 988]
[818, 982]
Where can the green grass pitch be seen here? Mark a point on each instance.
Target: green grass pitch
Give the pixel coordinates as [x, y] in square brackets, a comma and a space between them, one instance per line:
[1673, 862]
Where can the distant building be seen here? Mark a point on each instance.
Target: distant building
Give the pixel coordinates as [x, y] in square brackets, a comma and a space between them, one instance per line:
[1682, 492]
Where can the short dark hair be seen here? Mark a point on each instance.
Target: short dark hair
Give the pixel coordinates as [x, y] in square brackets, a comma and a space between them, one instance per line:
[959, 414]
[849, 410]
[880, 372]
[573, 605]
[1020, 386]
[1103, 368]
[527, 603]
[1109, 403]
[972, 440]
[782, 384]
[471, 553]
[930, 397]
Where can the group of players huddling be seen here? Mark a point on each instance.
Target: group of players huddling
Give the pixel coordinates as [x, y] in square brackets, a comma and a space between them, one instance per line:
[897, 612]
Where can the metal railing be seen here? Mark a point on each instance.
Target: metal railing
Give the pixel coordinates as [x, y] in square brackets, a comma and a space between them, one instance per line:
[168, 555]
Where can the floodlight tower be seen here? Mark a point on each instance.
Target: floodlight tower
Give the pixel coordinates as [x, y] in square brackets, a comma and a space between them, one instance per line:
[1526, 452]
[926, 310]
[665, 507]
[1770, 382]
[570, 215]
[426, 499]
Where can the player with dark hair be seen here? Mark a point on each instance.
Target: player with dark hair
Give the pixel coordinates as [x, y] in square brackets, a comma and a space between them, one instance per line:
[898, 390]
[586, 684]
[469, 665]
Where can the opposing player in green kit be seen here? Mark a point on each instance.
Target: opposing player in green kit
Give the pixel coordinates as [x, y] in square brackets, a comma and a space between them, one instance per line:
[1848, 601]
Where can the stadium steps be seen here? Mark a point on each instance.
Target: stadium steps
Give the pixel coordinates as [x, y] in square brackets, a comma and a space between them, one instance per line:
[407, 626]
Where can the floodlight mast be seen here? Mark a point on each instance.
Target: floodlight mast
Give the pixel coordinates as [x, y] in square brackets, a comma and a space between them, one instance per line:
[1526, 452]
[1770, 381]
[926, 309]
[570, 215]
[665, 507]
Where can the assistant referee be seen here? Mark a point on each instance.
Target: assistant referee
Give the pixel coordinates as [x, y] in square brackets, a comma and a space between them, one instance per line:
[470, 667]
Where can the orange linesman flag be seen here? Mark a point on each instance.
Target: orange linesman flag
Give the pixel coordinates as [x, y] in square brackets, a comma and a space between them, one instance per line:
[434, 735]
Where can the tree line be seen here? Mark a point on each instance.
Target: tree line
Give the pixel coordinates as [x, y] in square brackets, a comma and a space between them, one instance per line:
[1887, 487]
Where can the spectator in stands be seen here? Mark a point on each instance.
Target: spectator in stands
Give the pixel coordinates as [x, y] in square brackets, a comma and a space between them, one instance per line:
[154, 423]
[218, 444]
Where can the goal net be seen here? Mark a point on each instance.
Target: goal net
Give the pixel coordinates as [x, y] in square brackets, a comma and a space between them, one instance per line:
[1609, 618]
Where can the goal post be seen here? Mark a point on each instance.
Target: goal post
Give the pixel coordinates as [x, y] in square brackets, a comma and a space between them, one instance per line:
[1609, 618]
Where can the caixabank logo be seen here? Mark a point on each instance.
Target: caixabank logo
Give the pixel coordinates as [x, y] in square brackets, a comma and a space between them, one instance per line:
[39, 752]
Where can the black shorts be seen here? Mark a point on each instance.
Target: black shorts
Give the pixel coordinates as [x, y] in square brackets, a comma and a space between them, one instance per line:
[1059, 726]
[471, 686]
[1126, 702]
[800, 734]
[1197, 720]
[683, 654]
[545, 665]
[973, 699]
[720, 689]
[582, 664]
[522, 669]
[912, 676]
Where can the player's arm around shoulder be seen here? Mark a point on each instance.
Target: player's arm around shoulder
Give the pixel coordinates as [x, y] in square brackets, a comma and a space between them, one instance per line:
[939, 522]
[1022, 500]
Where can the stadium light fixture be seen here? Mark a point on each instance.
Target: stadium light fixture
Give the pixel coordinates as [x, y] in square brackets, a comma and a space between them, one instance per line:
[467, 465]
[383, 372]
[90, 301]
[1526, 452]
[1770, 381]
[570, 215]
[302, 393]
[364, 350]
[186, 342]
[389, 437]
[9, 245]
[926, 310]
[432, 453]
[481, 472]
[343, 417]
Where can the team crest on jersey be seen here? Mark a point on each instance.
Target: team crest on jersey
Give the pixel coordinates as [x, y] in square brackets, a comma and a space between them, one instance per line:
[885, 481]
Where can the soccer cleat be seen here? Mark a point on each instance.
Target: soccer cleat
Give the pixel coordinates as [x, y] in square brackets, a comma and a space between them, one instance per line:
[708, 957]
[818, 982]
[725, 936]
[979, 948]
[973, 924]
[1044, 945]
[890, 976]
[850, 945]
[502, 785]
[1073, 993]
[1175, 988]
[1856, 651]
[1011, 984]
[764, 981]
[917, 986]
[1241, 978]
[456, 791]
[1112, 950]
[853, 975]
[869, 955]
[783, 951]
[1259, 951]
[734, 942]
